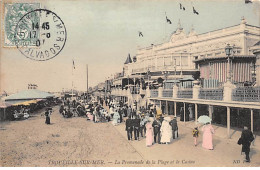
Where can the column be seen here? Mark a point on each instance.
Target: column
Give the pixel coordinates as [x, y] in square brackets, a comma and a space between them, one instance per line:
[147, 92]
[196, 89]
[175, 109]
[161, 105]
[184, 112]
[210, 111]
[227, 93]
[196, 112]
[171, 108]
[252, 120]
[256, 52]
[166, 109]
[160, 92]
[175, 91]
[228, 122]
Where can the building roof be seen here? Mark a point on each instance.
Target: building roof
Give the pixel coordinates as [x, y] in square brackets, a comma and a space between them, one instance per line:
[29, 94]
[223, 57]
[128, 59]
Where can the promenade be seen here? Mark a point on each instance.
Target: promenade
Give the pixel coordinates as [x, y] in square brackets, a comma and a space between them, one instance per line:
[78, 142]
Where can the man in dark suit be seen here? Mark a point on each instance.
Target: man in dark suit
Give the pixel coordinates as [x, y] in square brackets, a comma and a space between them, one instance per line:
[246, 139]
[157, 127]
[174, 126]
[129, 128]
[136, 123]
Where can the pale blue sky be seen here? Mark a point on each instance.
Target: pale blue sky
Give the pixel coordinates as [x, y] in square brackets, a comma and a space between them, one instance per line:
[102, 33]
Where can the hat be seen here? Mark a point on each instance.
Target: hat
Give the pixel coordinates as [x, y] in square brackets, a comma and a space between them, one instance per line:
[167, 119]
[151, 119]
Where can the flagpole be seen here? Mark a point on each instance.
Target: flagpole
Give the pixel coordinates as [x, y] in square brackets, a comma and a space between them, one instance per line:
[72, 77]
[165, 28]
[87, 80]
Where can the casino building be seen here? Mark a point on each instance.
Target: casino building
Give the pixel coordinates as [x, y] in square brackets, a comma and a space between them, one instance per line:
[214, 73]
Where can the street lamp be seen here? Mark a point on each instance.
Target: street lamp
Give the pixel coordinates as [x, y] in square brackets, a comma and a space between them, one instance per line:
[228, 50]
[165, 73]
[148, 76]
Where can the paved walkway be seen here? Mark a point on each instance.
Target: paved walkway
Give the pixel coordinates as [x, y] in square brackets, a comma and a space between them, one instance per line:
[182, 152]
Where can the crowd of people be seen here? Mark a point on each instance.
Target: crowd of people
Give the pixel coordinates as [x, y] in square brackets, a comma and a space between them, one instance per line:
[21, 111]
[149, 124]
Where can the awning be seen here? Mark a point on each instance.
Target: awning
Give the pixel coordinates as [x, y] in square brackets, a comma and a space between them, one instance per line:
[172, 81]
[4, 104]
[26, 103]
[187, 78]
[29, 95]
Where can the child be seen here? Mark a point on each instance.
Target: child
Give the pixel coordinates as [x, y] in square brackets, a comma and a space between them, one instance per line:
[195, 134]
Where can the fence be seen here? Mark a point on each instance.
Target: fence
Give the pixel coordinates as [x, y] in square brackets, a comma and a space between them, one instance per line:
[167, 93]
[135, 90]
[211, 94]
[185, 93]
[154, 93]
[246, 94]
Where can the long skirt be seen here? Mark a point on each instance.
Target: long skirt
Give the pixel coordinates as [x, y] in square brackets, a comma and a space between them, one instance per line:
[207, 141]
[149, 137]
[48, 120]
[90, 116]
[166, 136]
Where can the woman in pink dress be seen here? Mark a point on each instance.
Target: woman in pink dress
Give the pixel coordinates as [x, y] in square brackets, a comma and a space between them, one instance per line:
[149, 133]
[207, 136]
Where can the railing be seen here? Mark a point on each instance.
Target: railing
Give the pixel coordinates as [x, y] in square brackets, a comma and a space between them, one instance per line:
[246, 94]
[211, 94]
[185, 93]
[154, 93]
[135, 90]
[167, 93]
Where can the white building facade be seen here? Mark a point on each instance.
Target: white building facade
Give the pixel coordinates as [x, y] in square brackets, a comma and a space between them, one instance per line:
[178, 54]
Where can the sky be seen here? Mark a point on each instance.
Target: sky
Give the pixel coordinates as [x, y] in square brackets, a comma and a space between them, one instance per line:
[101, 33]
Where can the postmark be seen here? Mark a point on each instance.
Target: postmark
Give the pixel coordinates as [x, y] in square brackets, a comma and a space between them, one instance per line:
[40, 35]
[13, 12]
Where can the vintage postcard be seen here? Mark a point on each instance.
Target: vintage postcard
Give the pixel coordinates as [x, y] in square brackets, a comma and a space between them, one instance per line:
[118, 83]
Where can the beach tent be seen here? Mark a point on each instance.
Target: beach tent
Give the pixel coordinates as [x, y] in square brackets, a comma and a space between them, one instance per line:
[3, 106]
[26, 103]
[29, 95]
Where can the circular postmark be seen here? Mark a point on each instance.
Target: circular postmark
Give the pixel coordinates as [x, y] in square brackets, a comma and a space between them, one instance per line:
[40, 35]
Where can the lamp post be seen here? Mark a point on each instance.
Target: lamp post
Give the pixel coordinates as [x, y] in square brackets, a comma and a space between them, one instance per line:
[148, 75]
[175, 67]
[165, 73]
[228, 50]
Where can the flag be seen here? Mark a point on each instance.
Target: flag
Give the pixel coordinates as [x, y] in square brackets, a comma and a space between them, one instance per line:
[73, 64]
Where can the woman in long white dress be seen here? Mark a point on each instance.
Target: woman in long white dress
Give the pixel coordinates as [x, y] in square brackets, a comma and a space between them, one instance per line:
[116, 117]
[166, 131]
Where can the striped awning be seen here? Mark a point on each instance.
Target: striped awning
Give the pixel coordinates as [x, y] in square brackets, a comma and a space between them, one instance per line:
[222, 57]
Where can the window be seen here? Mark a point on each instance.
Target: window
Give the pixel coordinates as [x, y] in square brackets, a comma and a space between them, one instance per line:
[217, 54]
[167, 61]
[184, 60]
[160, 61]
[176, 60]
